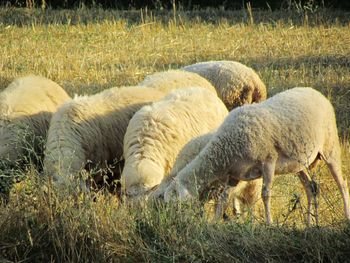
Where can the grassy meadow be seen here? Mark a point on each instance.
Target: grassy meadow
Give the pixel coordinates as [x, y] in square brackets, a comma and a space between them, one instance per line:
[88, 50]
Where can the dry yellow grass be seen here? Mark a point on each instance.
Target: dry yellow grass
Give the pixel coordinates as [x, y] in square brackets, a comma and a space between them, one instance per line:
[88, 57]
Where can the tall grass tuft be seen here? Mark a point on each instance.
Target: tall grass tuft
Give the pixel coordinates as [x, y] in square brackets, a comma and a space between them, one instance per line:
[38, 225]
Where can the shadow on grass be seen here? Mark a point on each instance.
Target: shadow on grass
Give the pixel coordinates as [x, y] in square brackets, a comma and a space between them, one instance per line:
[298, 62]
[260, 63]
[25, 17]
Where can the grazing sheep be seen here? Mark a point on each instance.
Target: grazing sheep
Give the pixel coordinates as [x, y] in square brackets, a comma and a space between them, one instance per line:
[243, 192]
[287, 133]
[157, 133]
[167, 81]
[235, 83]
[88, 132]
[26, 107]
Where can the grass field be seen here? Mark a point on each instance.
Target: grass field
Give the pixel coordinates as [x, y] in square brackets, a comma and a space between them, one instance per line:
[87, 51]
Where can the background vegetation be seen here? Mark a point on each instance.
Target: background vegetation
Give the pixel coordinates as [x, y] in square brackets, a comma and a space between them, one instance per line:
[88, 50]
[185, 4]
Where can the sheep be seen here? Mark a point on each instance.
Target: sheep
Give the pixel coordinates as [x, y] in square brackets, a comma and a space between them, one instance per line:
[243, 192]
[157, 132]
[167, 81]
[288, 133]
[26, 107]
[87, 133]
[235, 83]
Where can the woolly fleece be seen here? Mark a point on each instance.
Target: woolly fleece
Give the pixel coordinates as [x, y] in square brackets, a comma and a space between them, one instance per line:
[157, 133]
[88, 131]
[26, 107]
[235, 83]
[167, 81]
[245, 193]
[287, 133]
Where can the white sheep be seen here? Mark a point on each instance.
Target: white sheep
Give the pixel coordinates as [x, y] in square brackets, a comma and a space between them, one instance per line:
[26, 107]
[167, 81]
[157, 133]
[241, 192]
[287, 133]
[235, 83]
[88, 132]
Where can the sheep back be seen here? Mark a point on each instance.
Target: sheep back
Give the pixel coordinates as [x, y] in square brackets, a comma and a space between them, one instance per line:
[175, 79]
[235, 83]
[88, 131]
[26, 107]
[157, 133]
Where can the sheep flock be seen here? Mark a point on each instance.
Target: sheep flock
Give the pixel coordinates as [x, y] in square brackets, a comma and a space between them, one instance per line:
[204, 131]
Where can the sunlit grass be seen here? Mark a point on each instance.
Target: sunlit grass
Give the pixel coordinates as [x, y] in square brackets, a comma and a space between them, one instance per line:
[87, 51]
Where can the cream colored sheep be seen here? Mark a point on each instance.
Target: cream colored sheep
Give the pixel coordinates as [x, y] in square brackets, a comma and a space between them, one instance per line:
[88, 131]
[245, 193]
[167, 81]
[235, 83]
[287, 133]
[157, 133]
[26, 107]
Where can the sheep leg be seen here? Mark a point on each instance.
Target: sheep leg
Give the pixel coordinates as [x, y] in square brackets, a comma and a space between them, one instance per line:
[225, 199]
[310, 193]
[268, 173]
[233, 198]
[335, 169]
[221, 204]
[237, 207]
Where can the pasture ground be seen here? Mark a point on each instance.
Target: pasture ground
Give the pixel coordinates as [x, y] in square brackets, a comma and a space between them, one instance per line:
[88, 50]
